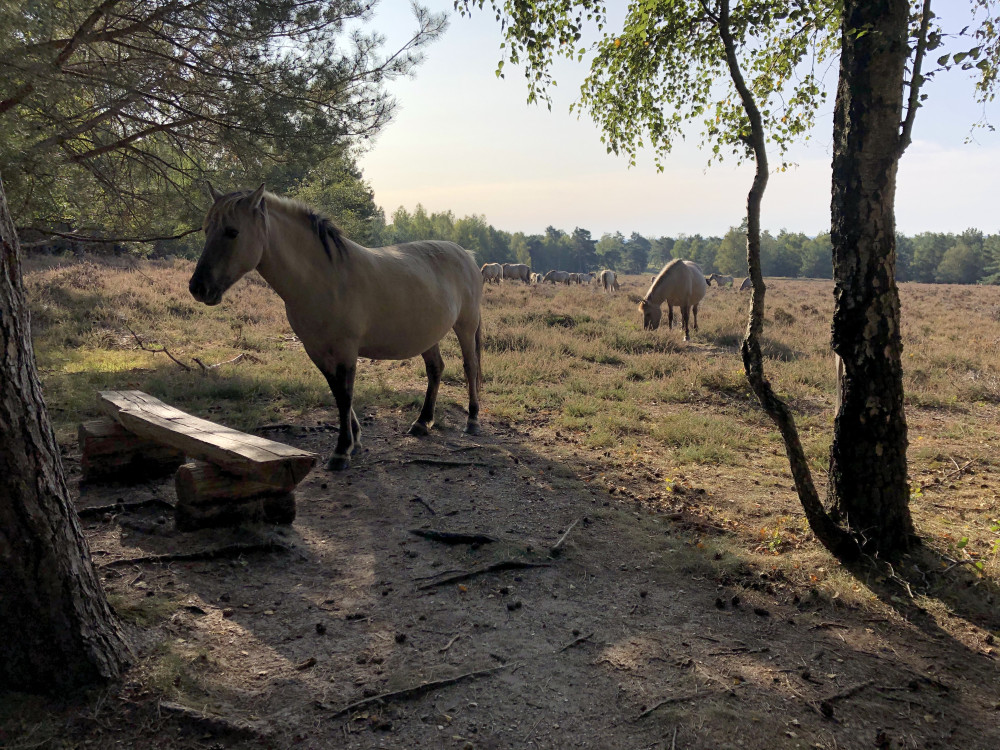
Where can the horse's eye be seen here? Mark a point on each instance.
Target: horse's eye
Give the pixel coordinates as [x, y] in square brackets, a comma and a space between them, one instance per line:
[231, 232]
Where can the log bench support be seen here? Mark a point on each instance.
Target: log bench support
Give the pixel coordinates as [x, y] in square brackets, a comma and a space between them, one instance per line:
[110, 452]
[234, 478]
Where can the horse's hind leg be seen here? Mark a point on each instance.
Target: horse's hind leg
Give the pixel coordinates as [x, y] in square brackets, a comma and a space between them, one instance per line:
[695, 308]
[435, 366]
[342, 384]
[685, 315]
[471, 341]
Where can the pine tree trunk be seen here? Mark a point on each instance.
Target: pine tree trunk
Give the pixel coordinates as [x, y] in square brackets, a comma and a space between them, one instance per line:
[868, 486]
[58, 630]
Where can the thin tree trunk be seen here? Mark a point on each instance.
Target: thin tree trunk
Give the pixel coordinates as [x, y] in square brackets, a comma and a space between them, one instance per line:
[868, 485]
[827, 531]
[58, 630]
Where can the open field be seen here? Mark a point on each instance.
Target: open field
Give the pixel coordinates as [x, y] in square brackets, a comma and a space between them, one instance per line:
[690, 575]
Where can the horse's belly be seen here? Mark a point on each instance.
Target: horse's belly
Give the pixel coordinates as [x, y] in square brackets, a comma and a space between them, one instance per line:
[402, 342]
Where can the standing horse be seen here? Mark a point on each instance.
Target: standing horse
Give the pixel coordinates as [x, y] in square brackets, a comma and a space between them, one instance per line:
[518, 271]
[556, 277]
[344, 300]
[609, 280]
[720, 280]
[492, 273]
[681, 282]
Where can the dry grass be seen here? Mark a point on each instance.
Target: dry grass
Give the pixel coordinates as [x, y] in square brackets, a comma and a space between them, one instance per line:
[672, 425]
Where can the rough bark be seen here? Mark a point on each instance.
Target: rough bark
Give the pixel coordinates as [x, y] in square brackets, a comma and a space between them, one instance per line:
[827, 531]
[60, 631]
[868, 486]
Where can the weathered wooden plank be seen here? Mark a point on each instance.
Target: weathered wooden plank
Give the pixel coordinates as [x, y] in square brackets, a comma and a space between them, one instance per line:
[237, 452]
[109, 451]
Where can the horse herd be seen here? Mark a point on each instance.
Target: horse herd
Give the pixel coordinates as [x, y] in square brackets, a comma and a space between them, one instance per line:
[345, 301]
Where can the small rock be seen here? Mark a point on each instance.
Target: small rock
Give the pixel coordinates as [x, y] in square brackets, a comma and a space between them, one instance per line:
[320, 628]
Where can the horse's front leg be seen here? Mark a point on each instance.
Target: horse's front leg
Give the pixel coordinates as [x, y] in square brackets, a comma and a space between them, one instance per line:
[670, 317]
[341, 382]
[435, 366]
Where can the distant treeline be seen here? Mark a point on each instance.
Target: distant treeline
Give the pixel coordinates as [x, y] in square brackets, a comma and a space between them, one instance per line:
[966, 258]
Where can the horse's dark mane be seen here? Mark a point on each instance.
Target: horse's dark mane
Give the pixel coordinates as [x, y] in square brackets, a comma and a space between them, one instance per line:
[328, 232]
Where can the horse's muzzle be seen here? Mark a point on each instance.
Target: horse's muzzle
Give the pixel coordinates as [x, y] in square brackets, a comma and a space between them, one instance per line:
[200, 291]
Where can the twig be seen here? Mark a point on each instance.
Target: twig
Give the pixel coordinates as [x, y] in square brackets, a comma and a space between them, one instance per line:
[740, 650]
[414, 690]
[576, 642]
[100, 510]
[532, 730]
[959, 469]
[232, 550]
[146, 348]
[492, 567]
[675, 699]
[848, 692]
[819, 625]
[418, 499]
[453, 537]
[449, 644]
[556, 548]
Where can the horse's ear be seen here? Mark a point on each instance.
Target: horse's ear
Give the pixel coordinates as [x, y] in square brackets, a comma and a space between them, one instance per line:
[643, 303]
[212, 192]
[257, 197]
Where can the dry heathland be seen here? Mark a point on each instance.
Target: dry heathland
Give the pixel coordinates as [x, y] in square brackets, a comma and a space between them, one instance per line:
[685, 605]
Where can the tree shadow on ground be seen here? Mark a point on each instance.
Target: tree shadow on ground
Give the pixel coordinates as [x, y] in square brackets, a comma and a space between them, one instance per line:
[645, 630]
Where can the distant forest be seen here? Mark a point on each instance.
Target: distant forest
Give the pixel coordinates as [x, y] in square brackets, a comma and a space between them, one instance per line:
[967, 258]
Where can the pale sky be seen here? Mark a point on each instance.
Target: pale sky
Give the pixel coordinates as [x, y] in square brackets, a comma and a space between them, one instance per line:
[466, 141]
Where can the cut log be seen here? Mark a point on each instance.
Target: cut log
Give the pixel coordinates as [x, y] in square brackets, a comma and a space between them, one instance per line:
[109, 451]
[207, 496]
[236, 452]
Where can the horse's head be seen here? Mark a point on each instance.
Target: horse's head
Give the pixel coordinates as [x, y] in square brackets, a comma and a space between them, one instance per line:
[651, 315]
[235, 227]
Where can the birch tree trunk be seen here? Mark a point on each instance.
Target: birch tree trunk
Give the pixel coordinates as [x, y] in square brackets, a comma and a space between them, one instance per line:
[868, 487]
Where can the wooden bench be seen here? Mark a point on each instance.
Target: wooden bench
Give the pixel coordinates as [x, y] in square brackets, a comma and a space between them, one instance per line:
[235, 476]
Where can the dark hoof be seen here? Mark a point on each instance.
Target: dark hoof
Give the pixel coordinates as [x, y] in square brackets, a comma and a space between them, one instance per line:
[420, 429]
[356, 448]
[472, 428]
[338, 463]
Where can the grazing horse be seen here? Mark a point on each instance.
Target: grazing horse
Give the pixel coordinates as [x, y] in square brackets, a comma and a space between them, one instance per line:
[561, 277]
[518, 271]
[681, 282]
[344, 300]
[609, 280]
[747, 284]
[492, 273]
[720, 280]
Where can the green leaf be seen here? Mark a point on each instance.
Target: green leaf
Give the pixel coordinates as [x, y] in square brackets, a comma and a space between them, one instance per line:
[962, 542]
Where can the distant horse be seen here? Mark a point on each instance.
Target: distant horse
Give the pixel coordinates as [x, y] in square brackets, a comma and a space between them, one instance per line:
[492, 273]
[535, 278]
[609, 280]
[682, 283]
[574, 278]
[518, 271]
[720, 280]
[747, 284]
[344, 300]
[560, 277]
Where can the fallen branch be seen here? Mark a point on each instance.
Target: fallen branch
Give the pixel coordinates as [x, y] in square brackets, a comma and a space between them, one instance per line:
[413, 691]
[232, 550]
[449, 644]
[453, 537]
[491, 568]
[675, 699]
[100, 510]
[556, 548]
[213, 725]
[418, 499]
[826, 704]
[576, 642]
[234, 360]
[146, 348]
[443, 462]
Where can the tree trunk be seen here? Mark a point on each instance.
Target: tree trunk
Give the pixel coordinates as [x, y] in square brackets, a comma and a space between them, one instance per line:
[59, 631]
[868, 486]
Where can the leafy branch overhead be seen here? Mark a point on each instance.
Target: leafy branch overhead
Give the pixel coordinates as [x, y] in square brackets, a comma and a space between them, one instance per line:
[137, 99]
[665, 68]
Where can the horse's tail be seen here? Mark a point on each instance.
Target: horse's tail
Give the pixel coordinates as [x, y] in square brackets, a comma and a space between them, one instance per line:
[479, 355]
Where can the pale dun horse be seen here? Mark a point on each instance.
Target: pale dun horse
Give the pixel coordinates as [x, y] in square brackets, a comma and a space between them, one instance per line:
[344, 300]
[682, 283]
